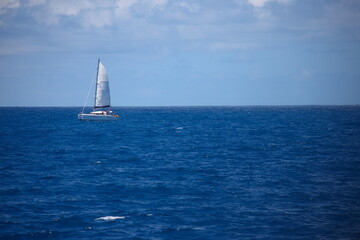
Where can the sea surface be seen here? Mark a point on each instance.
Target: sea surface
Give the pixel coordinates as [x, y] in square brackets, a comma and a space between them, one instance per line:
[181, 173]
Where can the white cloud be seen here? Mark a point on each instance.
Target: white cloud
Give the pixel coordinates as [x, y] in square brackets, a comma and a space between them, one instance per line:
[7, 4]
[122, 7]
[261, 3]
[156, 3]
[69, 8]
[263, 13]
[34, 2]
[97, 19]
[191, 7]
[129, 9]
[260, 10]
[88, 13]
[85, 13]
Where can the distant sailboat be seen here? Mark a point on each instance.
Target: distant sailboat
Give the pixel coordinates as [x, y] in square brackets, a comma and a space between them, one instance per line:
[101, 110]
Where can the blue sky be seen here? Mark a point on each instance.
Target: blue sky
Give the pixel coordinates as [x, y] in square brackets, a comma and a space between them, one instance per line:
[181, 52]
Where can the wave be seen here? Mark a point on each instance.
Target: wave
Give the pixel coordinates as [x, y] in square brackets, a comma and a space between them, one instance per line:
[109, 218]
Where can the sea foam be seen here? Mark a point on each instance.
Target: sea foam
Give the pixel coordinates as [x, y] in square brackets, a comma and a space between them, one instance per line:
[109, 218]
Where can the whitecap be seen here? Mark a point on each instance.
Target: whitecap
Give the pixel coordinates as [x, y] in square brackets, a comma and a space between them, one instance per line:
[109, 218]
[179, 128]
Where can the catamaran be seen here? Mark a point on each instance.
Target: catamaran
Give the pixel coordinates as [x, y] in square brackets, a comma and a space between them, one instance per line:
[101, 111]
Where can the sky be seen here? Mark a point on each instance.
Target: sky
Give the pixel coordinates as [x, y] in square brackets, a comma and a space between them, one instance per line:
[181, 52]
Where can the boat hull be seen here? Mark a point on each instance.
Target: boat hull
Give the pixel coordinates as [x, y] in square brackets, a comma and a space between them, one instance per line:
[92, 117]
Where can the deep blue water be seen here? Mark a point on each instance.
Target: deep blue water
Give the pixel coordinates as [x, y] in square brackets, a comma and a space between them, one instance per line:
[181, 173]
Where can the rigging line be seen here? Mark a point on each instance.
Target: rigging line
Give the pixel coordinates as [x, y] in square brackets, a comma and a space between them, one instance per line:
[92, 82]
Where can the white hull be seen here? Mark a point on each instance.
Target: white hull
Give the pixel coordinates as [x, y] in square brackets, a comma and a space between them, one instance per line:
[92, 117]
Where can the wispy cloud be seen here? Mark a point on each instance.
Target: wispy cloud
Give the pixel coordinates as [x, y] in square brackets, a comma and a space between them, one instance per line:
[122, 8]
[192, 7]
[53, 11]
[8, 4]
[262, 3]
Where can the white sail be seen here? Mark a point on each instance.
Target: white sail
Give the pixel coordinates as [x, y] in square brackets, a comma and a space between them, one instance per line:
[102, 93]
[102, 99]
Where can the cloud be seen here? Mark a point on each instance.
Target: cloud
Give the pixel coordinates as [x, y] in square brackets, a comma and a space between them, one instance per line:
[122, 7]
[260, 11]
[156, 3]
[262, 3]
[97, 19]
[34, 2]
[191, 7]
[52, 10]
[7, 4]
[186, 24]
[92, 13]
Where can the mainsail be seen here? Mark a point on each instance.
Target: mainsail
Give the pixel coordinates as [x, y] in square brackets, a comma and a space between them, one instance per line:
[102, 90]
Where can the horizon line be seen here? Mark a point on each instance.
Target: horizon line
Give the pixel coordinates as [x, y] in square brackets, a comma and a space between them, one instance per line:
[166, 106]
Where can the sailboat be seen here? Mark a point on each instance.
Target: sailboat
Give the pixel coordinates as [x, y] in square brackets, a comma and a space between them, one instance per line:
[101, 111]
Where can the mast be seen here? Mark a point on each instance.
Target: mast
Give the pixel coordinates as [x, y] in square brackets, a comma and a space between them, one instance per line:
[97, 78]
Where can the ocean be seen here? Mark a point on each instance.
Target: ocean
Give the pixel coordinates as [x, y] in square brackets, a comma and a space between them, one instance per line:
[181, 173]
